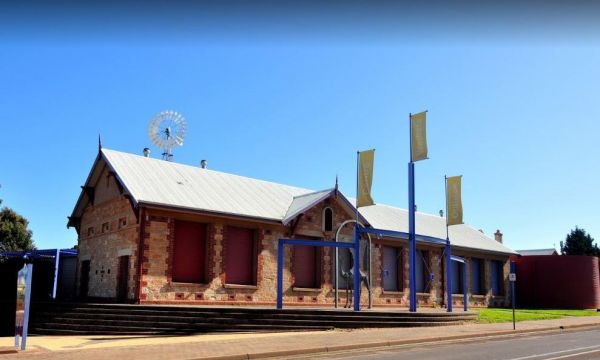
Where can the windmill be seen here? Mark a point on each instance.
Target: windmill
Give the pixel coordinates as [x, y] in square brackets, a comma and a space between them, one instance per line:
[167, 130]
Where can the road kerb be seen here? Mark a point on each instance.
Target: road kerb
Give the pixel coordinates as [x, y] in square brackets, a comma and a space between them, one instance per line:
[384, 344]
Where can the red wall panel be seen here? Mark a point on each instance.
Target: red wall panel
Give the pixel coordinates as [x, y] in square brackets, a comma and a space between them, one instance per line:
[306, 265]
[558, 282]
[189, 252]
[240, 256]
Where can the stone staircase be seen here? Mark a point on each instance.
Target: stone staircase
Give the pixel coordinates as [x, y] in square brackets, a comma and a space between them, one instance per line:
[117, 319]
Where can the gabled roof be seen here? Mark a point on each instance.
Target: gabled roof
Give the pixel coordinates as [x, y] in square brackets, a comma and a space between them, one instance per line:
[151, 181]
[302, 203]
[538, 252]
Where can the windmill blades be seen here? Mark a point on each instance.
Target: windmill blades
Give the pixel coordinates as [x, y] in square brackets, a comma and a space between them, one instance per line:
[166, 130]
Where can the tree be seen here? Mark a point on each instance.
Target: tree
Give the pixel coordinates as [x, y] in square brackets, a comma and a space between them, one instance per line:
[14, 231]
[578, 242]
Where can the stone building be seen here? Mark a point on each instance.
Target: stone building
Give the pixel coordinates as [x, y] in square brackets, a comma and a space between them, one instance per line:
[152, 231]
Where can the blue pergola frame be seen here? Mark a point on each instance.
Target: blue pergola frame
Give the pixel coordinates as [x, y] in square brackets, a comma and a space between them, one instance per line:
[351, 245]
[435, 241]
[41, 254]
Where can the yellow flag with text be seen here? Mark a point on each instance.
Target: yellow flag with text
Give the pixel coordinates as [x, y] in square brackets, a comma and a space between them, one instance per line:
[454, 201]
[365, 177]
[418, 129]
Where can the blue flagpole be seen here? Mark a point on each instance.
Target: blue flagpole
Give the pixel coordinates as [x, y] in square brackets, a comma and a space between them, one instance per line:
[412, 243]
[356, 244]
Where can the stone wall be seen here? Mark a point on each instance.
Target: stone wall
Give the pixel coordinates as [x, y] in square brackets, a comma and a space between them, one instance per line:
[156, 285]
[108, 230]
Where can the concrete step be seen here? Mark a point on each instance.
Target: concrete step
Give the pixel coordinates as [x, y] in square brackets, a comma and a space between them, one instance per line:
[191, 316]
[76, 318]
[176, 323]
[241, 310]
[167, 328]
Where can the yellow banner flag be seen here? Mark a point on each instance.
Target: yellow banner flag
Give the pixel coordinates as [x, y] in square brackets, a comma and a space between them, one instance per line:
[365, 177]
[418, 129]
[454, 201]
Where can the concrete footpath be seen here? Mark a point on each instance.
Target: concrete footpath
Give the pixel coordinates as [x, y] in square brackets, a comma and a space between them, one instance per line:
[262, 345]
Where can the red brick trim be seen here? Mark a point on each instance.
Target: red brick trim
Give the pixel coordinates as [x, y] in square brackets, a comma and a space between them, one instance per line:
[258, 258]
[210, 252]
[170, 250]
[224, 236]
[140, 253]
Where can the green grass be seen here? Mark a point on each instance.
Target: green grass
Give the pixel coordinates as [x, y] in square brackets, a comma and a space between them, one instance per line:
[505, 315]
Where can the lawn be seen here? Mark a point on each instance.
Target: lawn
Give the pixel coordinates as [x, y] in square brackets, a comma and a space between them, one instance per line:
[505, 315]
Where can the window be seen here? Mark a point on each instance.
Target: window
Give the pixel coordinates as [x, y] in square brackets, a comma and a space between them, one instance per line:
[327, 219]
[423, 282]
[240, 256]
[477, 277]
[90, 231]
[392, 268]
[457, 269]
[497, 270]
[105, 227]
[122, 222]
[307, 266]
[189, 252]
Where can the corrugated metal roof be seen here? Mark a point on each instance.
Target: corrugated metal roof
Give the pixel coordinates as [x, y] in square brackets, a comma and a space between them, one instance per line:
[396, 219]
[154, 181]
[160, 182]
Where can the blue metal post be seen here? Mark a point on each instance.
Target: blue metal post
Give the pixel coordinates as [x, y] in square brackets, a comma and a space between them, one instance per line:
[465, 287]
[448, 276]
[411, 237]
[280, 275]
[56, 267]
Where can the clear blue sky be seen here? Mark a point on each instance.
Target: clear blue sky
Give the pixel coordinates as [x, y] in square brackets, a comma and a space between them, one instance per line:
[289, 96]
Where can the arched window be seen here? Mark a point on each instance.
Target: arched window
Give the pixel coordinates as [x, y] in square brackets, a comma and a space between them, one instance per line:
[327, 219]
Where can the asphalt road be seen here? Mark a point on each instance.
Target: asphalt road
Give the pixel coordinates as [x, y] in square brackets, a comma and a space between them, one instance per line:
[572, 345]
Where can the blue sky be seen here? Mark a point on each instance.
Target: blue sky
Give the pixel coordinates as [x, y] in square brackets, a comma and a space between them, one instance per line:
[515, 112]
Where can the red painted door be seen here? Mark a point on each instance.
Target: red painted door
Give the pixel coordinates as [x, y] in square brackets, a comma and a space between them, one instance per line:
[189, 252]
[306, 267]
[240, 256]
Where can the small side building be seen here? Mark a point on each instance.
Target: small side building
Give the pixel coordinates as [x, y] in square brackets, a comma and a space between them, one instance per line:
[547, 280]
[152, 231]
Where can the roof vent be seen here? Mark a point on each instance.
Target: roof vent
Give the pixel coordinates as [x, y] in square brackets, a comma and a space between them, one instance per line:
[146, 152]
[203, 163]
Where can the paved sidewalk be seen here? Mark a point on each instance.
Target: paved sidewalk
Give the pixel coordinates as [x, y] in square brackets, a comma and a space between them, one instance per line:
[260, 345]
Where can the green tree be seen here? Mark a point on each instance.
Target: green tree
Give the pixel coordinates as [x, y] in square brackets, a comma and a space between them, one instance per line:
[14, 231]
[578, 242]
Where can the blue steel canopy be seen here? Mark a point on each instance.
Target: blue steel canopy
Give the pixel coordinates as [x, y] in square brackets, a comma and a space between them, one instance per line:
[38, 254]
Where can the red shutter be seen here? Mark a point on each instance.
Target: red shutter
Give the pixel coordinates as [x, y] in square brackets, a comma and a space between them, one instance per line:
[189, 252]
[306, 266]
[240, 256]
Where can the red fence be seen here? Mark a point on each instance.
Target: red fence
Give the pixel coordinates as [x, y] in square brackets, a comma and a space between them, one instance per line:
[558, 282]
